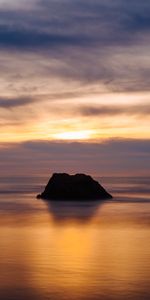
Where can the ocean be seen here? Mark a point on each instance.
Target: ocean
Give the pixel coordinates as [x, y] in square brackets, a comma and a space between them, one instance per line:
[75, 251]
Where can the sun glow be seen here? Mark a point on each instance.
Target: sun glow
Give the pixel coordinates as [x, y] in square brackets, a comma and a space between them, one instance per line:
[74, 135]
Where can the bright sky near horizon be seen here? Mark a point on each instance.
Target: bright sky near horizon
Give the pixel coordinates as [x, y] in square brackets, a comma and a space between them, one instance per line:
[75, 71]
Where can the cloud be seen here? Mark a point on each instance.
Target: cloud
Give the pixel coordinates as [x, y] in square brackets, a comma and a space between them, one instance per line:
[90, 41]
[64, 51]
[68, 23]
[113, 110]
[28, 39]
[9, 103]
[76, 23]
[112, 157]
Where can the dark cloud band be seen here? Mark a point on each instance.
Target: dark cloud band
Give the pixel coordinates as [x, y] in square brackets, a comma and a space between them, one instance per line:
[118, 156]
[113, 110]
[8, 103]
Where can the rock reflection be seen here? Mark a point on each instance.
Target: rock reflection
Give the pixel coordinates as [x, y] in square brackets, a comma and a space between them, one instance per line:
[63, 211]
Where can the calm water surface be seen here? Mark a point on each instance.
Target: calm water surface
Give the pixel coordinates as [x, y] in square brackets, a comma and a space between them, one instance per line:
[75, 251]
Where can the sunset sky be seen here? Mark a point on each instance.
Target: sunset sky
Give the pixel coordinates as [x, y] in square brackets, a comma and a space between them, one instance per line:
[75, 87]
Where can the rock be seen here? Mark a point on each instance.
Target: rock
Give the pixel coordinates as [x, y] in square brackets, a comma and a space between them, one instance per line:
[62, 186]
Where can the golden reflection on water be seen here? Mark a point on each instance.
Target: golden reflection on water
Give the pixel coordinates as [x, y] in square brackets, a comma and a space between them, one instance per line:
[105, 256]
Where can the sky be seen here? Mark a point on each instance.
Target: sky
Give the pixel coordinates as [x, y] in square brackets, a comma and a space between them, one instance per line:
[75, 87]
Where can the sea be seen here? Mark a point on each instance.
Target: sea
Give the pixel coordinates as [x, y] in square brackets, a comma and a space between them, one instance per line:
[75, 250]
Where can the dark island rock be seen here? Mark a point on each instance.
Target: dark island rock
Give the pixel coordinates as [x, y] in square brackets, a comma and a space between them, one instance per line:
[62, 186]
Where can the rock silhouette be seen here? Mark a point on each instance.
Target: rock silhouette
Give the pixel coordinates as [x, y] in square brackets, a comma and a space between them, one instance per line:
[62, 186]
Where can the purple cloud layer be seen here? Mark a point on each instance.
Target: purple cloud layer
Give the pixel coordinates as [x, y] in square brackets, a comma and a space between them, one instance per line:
[118, 156]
